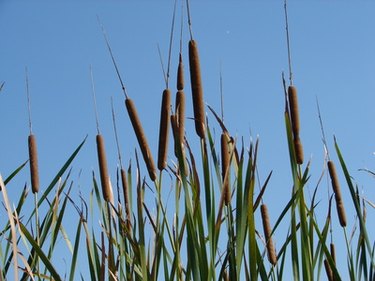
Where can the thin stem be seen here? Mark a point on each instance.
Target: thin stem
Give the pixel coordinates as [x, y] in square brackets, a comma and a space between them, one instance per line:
[170, 41]
[112, 57]
[28, 100]
[189, 19]
[182, 24]
[322, 129]
[116, 135]
[162, 67]
[94, 98]
[288, 44]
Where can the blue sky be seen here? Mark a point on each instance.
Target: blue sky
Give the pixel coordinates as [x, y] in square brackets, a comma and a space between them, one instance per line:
[333, 60]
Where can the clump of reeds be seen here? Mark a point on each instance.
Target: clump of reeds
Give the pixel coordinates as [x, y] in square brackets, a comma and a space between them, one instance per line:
[337, 190]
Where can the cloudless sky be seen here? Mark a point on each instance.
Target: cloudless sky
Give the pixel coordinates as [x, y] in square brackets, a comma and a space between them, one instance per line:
[333, 59]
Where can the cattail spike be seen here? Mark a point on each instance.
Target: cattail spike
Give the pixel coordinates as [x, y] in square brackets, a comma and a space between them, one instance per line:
[196, 88]
[180, 114]
[294, 112]
[164, 129]
[337, 190]
[104, 177]
[328, 270]
[299, 150]
[141, 137]
[180, 74]
[33, 158]
[272, 257]
[225, 166]
[126, 198]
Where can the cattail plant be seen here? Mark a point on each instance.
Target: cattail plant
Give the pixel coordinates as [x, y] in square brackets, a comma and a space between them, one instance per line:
[102, 159]
[124, 182]
[33, 153]
[141, 137]
[337, 190]
[164, 129]
[196, 83]
[271, 253]
[134, 119]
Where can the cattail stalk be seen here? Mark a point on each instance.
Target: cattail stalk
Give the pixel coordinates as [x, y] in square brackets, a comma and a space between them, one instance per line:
[337, 190]
[196, 88]
[141, 137]
[271, 253]
[104, 177]
[164, 129]
[33, 158]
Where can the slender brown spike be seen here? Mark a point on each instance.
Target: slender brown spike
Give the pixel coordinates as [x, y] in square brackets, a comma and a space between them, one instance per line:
[180, 74]
[141, 137]
[104, 177]
[175, 134]
[197, 90]
[225, 166]
[180, 113]
[328, 269]
[126, 198]
[272, 257]
[333, 252]
[299, 150]
[337, 190]
[164, 129]
[294, 113]
[33, 158]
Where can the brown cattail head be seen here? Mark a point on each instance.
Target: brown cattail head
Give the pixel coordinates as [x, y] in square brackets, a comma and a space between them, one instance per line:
[225, 164]
[294, 112]
[333, 252]
[197, 90]
[328, 269]
[104, 177]
[180, 74]
[180, 114]
[164, 129]
[337, 190]
[272, 257]
[33, 158]
[141, 137]
[299, 150]
[126, 197]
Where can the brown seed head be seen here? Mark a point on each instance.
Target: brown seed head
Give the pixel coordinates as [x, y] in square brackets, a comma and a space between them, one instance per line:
[106, 187]
[337, 190]
[294, 112]
[225, 164]
[180, 74]
[33, 158]
[126, 197]
[164, 129]
[272, 257]
[180, 114]
[299, 150]
[197, 90]
[141, 137]
[328, 269]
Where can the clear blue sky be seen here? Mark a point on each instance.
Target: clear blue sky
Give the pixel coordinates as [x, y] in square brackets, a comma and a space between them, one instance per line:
[333, 57]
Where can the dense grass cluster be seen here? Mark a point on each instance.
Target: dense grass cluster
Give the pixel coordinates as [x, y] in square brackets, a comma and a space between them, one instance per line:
[210, 231]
